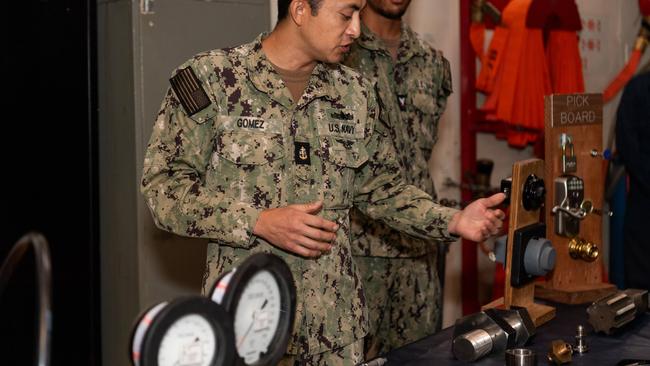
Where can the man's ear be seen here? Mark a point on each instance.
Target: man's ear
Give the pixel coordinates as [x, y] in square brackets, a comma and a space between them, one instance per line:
[298, 10]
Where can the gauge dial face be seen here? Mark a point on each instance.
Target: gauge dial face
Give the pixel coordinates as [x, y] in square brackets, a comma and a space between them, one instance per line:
[190, 341]
[257, 316]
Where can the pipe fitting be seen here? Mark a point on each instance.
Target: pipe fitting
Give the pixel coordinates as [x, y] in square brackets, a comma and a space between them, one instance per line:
[582, 249]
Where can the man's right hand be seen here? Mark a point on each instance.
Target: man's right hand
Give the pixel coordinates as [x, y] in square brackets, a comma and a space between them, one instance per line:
[297, 229]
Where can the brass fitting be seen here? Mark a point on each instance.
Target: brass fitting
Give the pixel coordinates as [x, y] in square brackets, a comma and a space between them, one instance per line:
[477, 11]
[643, 39]
[560, 352]
[582, 249]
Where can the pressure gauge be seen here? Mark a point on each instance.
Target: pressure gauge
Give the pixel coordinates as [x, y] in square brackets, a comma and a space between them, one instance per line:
[260, 296]
[191, 331]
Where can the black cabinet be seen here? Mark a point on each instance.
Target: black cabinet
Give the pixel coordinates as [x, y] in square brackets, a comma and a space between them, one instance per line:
[48, 169]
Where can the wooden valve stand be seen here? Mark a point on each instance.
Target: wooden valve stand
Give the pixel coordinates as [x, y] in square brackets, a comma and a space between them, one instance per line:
[575, 281]
[522, 296]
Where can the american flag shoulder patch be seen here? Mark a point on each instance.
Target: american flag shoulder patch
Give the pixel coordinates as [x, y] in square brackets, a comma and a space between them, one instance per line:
[189, 91]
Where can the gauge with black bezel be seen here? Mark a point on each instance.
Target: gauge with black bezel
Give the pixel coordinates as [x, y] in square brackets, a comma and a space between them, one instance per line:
[189, 331]
[260, 296]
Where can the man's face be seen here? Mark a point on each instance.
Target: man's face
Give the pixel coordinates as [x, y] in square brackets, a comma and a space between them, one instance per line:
[333, 29]
[392, 9]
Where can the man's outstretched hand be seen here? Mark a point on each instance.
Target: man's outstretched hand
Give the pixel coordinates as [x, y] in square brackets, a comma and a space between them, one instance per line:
[478, 221]
[297, 229]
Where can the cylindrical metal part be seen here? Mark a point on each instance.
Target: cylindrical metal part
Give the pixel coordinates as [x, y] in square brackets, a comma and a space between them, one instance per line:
[611, 312]
[517, 324]
[520, 357]
[472, 345]
[581, 345]
[615, 310]
[539, 258]
[500, 245]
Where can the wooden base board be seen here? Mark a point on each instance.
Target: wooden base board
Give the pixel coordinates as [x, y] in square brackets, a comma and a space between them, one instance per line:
[496, 304]
[581, 294]
[539, 313]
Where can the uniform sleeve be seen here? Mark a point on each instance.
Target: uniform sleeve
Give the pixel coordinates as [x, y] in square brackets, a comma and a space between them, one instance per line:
[173, 180]
[442, 91]
[381, 194]
[633, 115]
[444, 83]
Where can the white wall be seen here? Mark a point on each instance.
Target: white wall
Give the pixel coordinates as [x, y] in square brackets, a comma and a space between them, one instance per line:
[274, 12]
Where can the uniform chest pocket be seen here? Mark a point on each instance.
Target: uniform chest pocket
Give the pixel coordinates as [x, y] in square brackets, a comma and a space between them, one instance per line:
[249, 166]
[245, 148]
[425, 119]
[342, 158]
[424, 102]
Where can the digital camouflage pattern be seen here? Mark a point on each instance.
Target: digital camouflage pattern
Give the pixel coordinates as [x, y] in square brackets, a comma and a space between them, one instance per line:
[405, 302]
[413, 92]
[399, 270]
[209, 175]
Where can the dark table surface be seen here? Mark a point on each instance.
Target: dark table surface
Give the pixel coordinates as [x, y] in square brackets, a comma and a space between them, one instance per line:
[630, 342]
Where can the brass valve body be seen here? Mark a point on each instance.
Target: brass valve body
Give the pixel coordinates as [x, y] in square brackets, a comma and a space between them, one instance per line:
[582, 249]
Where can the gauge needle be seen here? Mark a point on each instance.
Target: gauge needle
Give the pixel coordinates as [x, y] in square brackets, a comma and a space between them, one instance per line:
[250, 327]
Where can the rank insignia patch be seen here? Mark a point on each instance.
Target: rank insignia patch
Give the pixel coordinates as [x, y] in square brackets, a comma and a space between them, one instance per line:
[401, 100]
[189, 91]
[301, 153]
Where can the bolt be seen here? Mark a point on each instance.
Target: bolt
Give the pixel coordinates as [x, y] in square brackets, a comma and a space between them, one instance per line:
[581, 345]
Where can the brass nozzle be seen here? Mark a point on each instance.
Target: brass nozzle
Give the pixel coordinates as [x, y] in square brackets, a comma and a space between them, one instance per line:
[582, 249]
[560, 352]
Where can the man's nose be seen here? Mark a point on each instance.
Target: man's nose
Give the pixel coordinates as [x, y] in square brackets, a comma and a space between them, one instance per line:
[354, 30]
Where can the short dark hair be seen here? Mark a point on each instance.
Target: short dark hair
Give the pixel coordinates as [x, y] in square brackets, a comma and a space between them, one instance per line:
[283, 8]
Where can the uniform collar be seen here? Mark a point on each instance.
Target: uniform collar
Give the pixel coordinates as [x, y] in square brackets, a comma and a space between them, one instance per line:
[267, 80]
[410, 46]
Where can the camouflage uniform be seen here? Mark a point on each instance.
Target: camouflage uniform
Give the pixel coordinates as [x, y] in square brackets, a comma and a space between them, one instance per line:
[401, 271]
[210, 173]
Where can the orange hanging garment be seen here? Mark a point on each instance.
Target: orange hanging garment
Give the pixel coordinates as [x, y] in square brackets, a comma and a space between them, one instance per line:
[477, 38]
[522, 79]
[489, 59]
[564, 62]
[561, 21]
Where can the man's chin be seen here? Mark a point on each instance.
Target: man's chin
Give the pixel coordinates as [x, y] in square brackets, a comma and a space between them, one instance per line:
[394, 14]
[335, 58]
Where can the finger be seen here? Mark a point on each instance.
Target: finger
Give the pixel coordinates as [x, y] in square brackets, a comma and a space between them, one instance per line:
[494, 199]
[315, 245]
[496, 222]
[310, 208]
[490, 215]
[318, 235]
[500, 214]
[490, 218]
[319, 222]
[485, 232]
[302, 251]
[494, 218]
[495, 231]
[491, 226]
